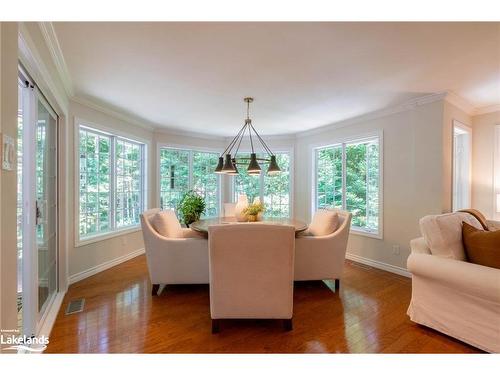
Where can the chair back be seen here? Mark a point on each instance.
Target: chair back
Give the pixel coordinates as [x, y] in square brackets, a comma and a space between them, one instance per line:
[148, 231]
[251, 270]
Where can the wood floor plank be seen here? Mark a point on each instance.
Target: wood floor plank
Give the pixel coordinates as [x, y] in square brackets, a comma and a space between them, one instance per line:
[368, 315]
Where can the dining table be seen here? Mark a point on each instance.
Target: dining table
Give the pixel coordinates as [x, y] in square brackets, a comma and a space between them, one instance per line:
[203, 224]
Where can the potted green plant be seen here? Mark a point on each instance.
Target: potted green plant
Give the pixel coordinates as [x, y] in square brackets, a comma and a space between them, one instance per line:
[191, 207]
[253, 210]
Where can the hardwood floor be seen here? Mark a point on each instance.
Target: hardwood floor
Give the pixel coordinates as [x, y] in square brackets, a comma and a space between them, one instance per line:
[121, 316]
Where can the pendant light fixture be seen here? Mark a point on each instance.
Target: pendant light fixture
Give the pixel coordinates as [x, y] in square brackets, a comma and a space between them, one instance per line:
[228, 164]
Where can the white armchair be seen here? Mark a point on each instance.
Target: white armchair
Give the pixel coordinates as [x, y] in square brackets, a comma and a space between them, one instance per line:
[174, 260]
[322, 257]
[457, 298]
[251, 272]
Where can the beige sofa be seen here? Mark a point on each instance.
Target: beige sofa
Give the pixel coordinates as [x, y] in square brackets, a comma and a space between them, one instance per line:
[450, 295]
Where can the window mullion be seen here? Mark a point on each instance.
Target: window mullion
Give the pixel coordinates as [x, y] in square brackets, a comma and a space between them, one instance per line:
[143, 179]
[344, 177]
[190, 170]
[112, 182]
[367, 194]
[261, 190]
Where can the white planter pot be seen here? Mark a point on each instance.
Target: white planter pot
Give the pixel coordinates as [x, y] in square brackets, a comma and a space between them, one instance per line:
[240, 206]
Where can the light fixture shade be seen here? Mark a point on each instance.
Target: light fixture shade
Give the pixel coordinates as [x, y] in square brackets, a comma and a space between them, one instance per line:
[253, 167]
[498, 203]
[273, 166]
[228, 164]
[220, 165]
[235, 169]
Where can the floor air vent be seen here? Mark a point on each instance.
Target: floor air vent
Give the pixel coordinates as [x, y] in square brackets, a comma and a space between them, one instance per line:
[75, 306]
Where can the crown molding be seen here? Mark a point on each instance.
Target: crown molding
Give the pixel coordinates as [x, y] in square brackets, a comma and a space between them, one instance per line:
[52, 42]
[460, 103]
[402, 107]
[488, 109]
[113, 113]
[147, 125]
[186, 133]
[36, 68]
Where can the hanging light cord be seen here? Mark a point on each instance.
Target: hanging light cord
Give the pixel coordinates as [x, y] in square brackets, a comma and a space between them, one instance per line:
[241, 133]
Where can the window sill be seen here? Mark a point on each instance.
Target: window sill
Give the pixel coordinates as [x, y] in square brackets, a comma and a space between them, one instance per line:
[105, 236]
[361, 232]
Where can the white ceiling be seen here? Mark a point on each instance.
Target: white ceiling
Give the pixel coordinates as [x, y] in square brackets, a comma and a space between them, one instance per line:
[193, 76]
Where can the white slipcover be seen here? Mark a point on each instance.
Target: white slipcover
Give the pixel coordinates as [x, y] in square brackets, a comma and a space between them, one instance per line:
[443, 233]
[174, 260]
[455, 297]
[322, 257]
[251, 271]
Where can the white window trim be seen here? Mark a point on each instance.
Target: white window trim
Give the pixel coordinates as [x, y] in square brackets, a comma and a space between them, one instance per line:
[77, 122]
[283, 150]
[176, 146]
[341, 141]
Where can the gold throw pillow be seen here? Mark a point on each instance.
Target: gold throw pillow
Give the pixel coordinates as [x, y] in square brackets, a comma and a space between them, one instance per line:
[481, 247]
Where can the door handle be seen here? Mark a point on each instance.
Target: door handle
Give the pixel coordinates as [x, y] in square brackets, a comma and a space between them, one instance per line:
[38, 213]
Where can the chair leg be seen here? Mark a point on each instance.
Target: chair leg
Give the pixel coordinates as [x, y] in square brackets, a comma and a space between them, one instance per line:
[215, 325]
[154, 291]
[287, 324]
[337, 285]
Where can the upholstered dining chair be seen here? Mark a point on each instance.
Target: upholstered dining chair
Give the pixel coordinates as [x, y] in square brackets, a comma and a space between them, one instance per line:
[251, 272]
[229, 209]
[322, 257]
[178, 256]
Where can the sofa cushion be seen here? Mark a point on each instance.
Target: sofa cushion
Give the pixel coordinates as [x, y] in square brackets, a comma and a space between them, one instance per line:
[481, 247]
[167, 225]
[324, 222]
[443, 233]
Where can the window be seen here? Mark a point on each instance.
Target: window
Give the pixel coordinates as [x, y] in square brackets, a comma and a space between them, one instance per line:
[348, 177]
[184, 170]
[273, 191]
[111, 187]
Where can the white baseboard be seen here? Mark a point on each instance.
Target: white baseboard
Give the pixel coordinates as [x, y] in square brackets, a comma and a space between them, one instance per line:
[104, 266]
[380, 265]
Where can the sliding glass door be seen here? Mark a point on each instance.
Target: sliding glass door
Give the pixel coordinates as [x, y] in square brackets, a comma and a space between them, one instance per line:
[46, 203]
[37, 206]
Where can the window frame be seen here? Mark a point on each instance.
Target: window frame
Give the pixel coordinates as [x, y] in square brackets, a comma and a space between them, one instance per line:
[114, 136]
[291, 153]
[190, 149]
[343, 142]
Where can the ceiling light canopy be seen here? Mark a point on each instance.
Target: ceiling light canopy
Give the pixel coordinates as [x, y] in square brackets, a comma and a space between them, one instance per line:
[228, 164]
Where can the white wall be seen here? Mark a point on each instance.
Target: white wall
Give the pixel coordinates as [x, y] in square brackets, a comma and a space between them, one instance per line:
[483, 147]
[1, 253]
[8, 179]
[413, 176]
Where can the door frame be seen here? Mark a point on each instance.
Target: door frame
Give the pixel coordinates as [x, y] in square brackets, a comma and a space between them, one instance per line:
[468, 129]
